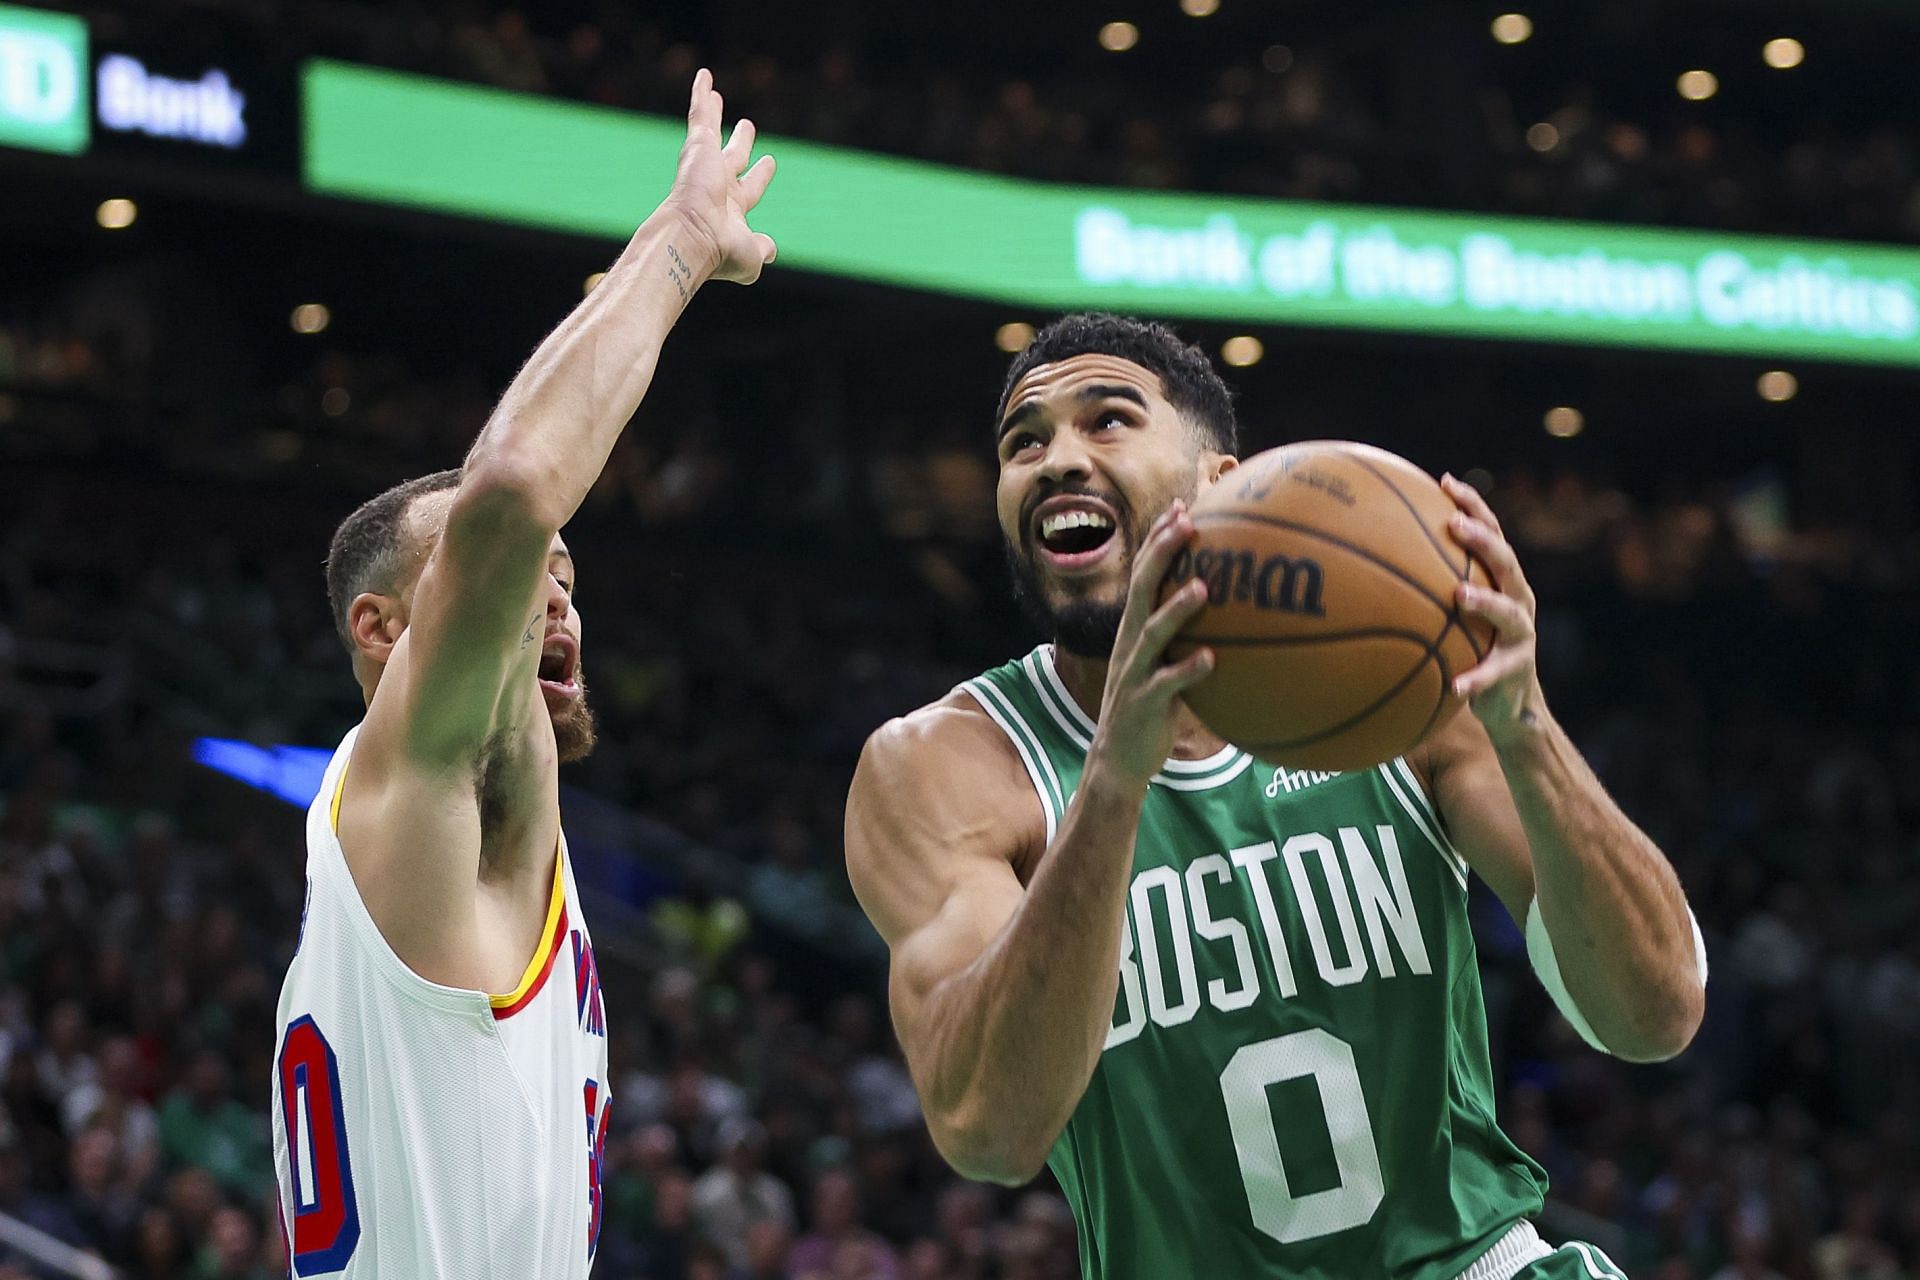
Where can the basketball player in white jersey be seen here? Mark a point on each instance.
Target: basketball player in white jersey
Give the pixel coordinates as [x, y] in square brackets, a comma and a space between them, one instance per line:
[440, 1086]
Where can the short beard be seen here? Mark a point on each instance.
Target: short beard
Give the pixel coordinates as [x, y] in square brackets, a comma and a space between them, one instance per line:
[573, 731]
[1085, 628]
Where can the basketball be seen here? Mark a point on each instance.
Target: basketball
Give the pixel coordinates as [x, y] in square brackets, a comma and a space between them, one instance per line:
[1330, 606]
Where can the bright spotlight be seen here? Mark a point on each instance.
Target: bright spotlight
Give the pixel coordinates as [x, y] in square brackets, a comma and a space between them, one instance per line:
[311, 317]
[1242, 351]
[1784, 53]
[1697, 86]
[116, 214]
[1512, 28]
[1564, 422]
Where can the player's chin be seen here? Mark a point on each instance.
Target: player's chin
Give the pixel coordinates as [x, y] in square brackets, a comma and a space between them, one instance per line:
[573, 727]
[574, 735]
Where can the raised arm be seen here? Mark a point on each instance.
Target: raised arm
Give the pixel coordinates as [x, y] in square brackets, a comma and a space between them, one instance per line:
[457, 694]
[1002, 999]
[477, 613]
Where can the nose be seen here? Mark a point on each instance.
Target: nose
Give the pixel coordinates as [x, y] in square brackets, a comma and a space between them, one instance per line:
[1065, 458]
[557, 599]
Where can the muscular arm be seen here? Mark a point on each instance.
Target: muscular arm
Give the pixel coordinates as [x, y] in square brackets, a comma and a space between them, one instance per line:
[1531, 815]
[458, 687]
[1001, 998]
[1536, 824]
[464, 673]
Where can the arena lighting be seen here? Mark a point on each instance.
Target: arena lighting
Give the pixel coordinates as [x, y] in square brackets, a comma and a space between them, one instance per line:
[1199, 8]
[116, 214]
[1512, 28]
[1118, 37]
[1242, 351]
[1697, 85]
[1563, 422]
[1013, 336]
[592, 282]
[291, 773]
[335, 401]
[1277, 58]
[310, 317]
[1543, 137]
[1777, 385]
[1783, 53]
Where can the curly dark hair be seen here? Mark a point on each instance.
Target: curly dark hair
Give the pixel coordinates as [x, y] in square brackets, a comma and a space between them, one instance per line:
[1191, 384]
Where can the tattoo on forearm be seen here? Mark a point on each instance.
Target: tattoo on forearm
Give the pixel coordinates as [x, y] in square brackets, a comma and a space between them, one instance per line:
[533, 629]
[679, 272]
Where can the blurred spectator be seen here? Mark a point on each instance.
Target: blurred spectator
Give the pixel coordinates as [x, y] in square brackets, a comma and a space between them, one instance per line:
[837, 1235]
[737, 1193]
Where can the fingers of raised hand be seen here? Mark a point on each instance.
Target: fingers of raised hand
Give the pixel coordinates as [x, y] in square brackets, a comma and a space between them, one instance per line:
[1512, 621]
[739, 145]
[705, 106]
[753, 183]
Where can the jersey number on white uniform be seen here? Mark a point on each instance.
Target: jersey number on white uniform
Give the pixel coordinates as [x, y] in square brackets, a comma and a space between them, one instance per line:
[326, 1217]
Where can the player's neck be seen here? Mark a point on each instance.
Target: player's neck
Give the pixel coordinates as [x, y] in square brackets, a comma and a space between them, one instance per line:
[1086, 680]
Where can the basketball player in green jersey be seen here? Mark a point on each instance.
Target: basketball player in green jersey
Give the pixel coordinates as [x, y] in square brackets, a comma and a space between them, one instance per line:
[1235, 1008]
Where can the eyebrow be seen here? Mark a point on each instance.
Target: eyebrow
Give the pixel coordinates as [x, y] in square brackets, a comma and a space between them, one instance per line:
[1097, 391]
[562, 555]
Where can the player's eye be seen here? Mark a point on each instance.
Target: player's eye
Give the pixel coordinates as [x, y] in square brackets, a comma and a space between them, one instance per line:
[1025, 440]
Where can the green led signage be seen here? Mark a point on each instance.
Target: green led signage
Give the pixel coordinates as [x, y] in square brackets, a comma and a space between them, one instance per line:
[401, 139]
[43, 81]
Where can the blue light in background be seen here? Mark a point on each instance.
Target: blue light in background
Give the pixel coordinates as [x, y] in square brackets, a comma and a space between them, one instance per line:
[291, 773]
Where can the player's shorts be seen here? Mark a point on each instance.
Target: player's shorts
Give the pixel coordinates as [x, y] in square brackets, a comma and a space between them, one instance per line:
[1521, 1254]
[1574, 1260]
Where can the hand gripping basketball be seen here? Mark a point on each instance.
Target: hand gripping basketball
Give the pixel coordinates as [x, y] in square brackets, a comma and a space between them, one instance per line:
[714, 194]
[1503, 688]
[1138, 706]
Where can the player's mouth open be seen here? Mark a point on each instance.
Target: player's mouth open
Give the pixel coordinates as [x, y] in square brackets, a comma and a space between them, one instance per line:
[560, 667]
[1073, 534]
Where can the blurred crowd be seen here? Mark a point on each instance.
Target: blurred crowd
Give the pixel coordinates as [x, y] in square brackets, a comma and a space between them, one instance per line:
[1409, 106]
[774, 564]
[765, 1124]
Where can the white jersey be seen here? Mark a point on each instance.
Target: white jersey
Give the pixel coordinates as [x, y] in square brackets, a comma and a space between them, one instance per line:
[422, 1131]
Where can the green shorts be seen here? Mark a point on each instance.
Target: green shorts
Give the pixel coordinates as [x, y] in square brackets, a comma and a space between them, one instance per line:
[1574, 1260]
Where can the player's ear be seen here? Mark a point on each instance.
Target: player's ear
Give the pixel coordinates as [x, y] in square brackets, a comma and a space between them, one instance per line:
[375, 622]
[1214, 465]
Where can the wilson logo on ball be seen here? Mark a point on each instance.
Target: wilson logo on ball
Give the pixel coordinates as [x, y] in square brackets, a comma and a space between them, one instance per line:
[1287, 584]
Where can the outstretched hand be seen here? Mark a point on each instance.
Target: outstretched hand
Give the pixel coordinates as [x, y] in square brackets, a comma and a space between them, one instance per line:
[714, 188]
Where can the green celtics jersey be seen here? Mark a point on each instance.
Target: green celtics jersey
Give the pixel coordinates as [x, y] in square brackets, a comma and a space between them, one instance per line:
[1295, 1082]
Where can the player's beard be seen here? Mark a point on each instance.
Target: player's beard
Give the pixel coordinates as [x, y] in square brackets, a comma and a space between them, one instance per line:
[1084, 627]
[573, 732]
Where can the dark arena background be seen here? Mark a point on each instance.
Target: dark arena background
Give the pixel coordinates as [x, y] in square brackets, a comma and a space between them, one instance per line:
[1647, 274]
